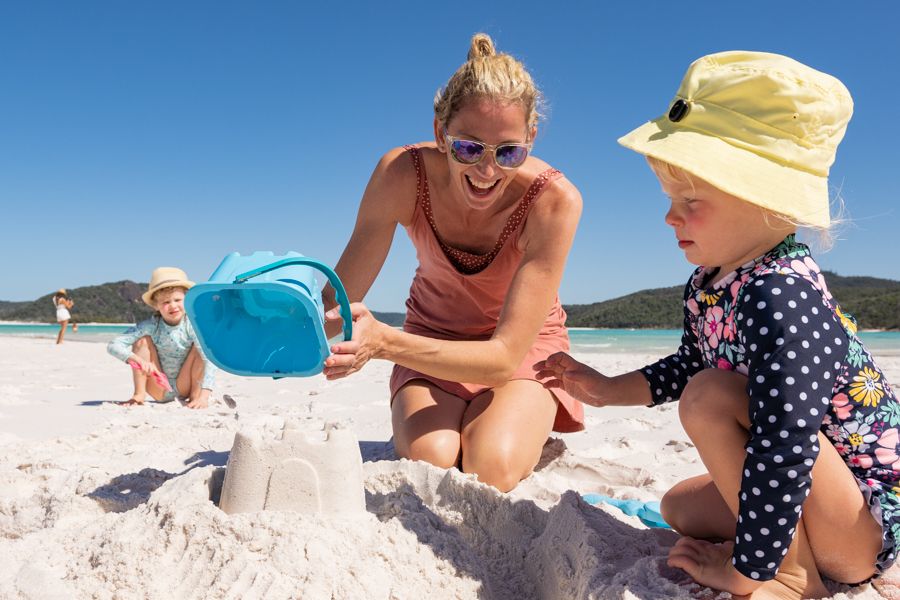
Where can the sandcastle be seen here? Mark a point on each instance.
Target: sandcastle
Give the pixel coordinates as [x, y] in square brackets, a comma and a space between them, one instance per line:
[294, 473]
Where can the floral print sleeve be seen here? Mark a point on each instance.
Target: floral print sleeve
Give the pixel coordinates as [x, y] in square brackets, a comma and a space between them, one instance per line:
[792, 341]
[668, 376]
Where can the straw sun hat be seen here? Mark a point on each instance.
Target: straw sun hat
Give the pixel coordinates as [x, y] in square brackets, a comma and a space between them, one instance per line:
[759, 126]
[165, 277]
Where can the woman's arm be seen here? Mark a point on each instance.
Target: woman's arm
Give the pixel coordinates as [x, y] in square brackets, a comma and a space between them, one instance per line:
[547, 238]
[389, 199]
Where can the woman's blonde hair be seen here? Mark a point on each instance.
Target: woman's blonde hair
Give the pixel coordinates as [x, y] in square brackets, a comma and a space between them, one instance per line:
[822, 237]
[487, 74]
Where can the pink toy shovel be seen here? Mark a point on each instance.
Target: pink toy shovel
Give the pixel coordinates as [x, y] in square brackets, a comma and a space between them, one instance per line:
[161, 379]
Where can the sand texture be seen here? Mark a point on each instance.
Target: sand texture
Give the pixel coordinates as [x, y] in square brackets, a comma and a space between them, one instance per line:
[100, 501]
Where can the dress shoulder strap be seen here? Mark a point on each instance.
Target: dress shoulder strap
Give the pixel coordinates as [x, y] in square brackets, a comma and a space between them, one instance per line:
[421, 177]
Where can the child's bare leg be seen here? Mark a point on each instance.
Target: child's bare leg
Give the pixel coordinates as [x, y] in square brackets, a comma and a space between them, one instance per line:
[190, 379]
[694, 507]
[62, 331]
[146, 350]
[714, 411]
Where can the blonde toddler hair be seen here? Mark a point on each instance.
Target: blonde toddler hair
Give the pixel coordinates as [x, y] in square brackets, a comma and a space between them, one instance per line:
[823, 237]
[487, 74]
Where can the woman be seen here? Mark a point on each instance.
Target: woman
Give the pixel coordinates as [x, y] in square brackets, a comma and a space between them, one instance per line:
[492, 225]
[63, 303]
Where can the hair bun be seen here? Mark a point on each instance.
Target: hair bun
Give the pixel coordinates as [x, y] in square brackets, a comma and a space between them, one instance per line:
[482, 46]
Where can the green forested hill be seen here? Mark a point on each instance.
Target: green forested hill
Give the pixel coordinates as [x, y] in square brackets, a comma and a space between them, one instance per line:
[117, 302]
[874, 302]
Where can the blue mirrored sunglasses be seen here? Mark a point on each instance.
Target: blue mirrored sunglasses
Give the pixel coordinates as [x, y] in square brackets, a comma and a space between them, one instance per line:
[470, 152]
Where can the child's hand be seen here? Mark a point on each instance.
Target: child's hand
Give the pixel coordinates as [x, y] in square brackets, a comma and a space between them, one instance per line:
[578, 379]
[709, 564]
[144, 366]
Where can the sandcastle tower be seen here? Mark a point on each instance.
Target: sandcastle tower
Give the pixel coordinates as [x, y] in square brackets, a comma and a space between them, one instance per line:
[294, 473]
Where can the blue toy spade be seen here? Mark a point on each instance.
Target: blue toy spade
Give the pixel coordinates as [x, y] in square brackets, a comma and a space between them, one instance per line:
[647, 512]
[262, 315]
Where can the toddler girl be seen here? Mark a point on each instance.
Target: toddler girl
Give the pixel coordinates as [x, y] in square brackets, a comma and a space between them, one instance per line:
[792, 418]
[164, 348]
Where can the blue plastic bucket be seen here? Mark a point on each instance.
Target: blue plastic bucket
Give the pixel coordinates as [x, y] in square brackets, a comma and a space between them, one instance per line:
[262, 315]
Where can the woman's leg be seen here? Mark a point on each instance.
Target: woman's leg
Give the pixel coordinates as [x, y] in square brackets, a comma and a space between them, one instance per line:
[146, 349]
[837, 535]
[504, 431]
[190, 378]
[426, 421]
[62, 331]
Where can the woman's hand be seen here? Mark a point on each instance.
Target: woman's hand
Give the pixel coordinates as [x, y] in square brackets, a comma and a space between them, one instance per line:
[350, 356]
[709, 564]
[562, 371]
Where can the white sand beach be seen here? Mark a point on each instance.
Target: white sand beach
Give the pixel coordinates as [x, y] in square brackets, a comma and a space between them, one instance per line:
[101, 501]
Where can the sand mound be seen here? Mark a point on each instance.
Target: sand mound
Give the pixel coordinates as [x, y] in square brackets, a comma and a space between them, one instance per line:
[122, 503]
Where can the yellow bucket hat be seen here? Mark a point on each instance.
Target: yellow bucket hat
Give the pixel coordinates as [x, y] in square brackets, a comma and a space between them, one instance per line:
[759, 126]
[165, 277]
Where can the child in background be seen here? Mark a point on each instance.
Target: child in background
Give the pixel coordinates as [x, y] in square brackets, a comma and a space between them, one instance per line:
[787, 409]
[63, 303]
[166, 345]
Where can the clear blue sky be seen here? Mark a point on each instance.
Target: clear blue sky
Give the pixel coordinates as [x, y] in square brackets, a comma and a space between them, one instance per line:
[139, 134]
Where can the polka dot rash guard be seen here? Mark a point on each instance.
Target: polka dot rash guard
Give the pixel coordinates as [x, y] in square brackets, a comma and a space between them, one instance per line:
[774, 321]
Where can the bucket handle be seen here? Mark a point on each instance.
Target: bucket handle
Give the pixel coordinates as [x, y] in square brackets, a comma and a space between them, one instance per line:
[333, 279]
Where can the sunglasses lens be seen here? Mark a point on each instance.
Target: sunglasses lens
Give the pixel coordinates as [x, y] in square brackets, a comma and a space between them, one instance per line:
[466, 152]
[511, 156]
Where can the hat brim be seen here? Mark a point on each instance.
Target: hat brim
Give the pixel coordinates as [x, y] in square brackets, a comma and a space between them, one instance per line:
[783, 189]
[148, 295]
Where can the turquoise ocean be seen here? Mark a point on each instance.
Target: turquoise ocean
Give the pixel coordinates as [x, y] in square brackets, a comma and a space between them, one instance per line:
[600, 341]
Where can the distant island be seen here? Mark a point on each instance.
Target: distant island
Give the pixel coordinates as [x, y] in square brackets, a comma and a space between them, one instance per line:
[874, 302]
[115, 302]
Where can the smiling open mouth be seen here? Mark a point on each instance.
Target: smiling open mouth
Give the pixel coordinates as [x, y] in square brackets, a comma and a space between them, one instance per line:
[480, 188]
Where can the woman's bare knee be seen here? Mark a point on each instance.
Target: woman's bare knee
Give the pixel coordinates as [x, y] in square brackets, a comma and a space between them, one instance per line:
[439, 448]
[501, 466]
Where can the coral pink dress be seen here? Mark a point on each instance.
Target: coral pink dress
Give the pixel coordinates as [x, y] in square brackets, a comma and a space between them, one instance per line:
[456, 295]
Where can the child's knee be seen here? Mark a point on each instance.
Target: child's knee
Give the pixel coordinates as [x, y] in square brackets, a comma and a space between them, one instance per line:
[710, 392]
[142, 344]
[668, 508]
